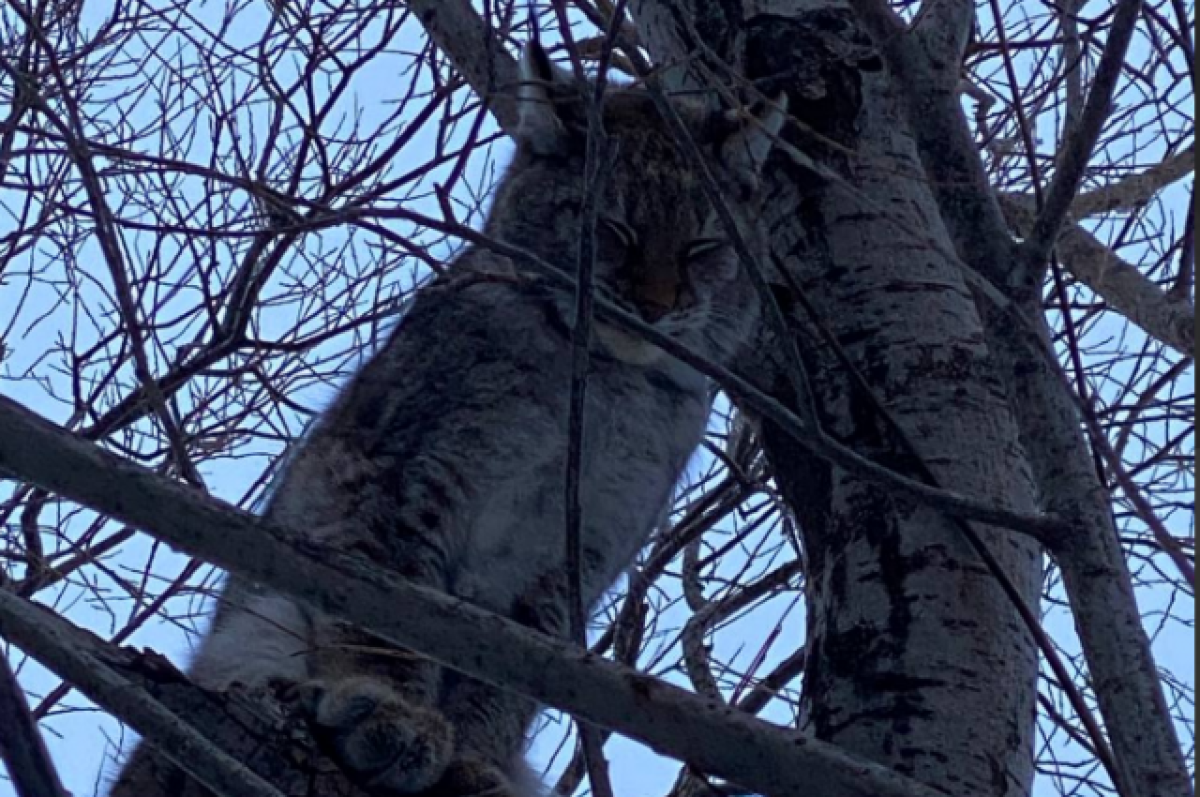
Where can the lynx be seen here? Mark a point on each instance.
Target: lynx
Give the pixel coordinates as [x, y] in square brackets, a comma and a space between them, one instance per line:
[443, 459]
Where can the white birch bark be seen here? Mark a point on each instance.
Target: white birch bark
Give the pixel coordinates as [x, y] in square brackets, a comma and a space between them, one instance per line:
[916, 657]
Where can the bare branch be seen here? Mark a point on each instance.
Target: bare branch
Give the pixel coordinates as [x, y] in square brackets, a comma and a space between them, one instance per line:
[43, 639]
[727, 743]
[1075, 153]
[945, 146]
[21, 745]
[1149, 760]
[1132, 192]
[476, 51]
[1126, 289]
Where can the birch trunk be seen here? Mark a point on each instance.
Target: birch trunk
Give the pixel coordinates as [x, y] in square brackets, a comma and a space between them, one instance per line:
[917, 659]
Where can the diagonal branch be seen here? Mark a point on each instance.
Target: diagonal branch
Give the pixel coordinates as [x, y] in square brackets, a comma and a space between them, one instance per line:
[1121, 284]
[1096, 575]
[44, 637]
[1138, 189]
[1076, 151]
[476, 52]
[21, 746]
[253, 727]
[723, 741]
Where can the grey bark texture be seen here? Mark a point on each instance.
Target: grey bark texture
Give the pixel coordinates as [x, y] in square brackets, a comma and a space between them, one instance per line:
[1040, 446]
[908, 633]
[1148, 757]
[1126, 289]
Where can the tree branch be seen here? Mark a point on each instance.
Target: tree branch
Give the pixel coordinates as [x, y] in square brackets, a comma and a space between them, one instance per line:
[1098, 583]
[43, 637]
[1135, 190]
[1075, 153]
[1095, 572]
[21, 745]
[945, 145]
[944, 28]
[719, 740]
[1121, 284]
[476, 52]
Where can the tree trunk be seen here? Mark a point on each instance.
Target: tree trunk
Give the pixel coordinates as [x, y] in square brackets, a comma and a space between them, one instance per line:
[917, 659]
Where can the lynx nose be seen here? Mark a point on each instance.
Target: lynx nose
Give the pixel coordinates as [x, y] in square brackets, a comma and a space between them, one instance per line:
[654, 299]
[652, 310]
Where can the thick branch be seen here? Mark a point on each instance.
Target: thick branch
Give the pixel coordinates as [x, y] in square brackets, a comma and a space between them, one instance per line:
[1076, 152]
[269, 739]
[716, 739]
[1135, 190]
[28, 628]
[1127, 290]
[476, 52]
[1122, 285]
[944, 28]
[1099, 586]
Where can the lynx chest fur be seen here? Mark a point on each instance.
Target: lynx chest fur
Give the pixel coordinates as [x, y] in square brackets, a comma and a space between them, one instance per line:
[444, 459]
[474, 459]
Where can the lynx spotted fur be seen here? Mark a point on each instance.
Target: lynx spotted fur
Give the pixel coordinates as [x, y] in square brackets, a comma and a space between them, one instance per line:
[443, 458]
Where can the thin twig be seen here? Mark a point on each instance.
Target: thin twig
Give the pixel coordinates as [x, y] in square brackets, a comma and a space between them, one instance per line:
[599, 159]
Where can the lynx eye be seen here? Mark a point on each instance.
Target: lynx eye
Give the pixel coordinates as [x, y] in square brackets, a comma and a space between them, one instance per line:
[624, 233]
[703, 246]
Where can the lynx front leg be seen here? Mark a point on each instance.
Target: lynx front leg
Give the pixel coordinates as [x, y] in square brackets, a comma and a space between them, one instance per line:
[372, 707]
[490, 724]
[386, 743]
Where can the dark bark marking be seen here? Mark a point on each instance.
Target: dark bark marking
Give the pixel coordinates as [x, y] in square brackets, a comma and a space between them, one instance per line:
[816, 58]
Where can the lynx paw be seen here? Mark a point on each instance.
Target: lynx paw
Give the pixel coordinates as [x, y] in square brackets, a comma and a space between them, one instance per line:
[383, 742]
[468, 777]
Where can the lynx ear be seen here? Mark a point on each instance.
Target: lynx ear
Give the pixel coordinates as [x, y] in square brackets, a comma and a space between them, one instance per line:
[746, 151]
[538, 124]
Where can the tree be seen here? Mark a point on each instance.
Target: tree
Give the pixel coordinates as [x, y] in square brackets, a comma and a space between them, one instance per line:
[965, 421]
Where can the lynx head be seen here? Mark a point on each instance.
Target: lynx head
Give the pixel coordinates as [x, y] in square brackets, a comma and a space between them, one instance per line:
[661, 251]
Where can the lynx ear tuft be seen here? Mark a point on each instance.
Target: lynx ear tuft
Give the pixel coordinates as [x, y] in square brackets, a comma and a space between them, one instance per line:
[538, 124]
[746, 150]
